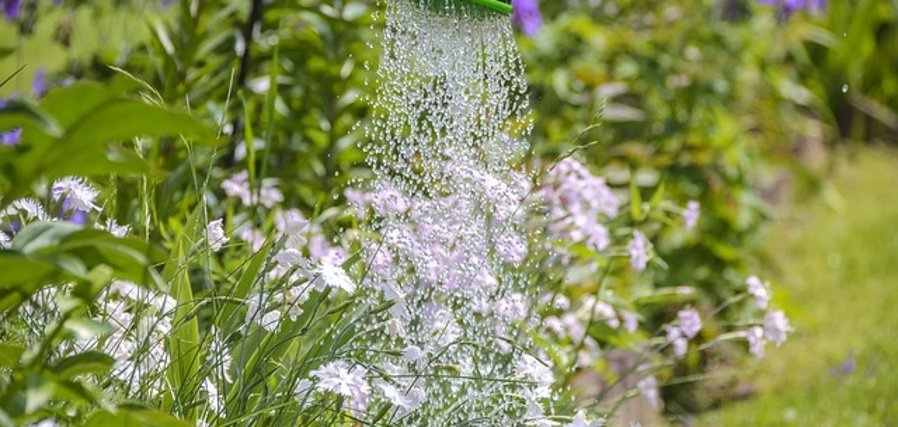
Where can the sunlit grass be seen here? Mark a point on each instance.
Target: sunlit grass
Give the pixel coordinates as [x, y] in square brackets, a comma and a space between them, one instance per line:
[838, 273]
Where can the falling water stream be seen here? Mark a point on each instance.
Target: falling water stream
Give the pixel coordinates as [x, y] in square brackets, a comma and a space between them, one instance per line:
[447, 136]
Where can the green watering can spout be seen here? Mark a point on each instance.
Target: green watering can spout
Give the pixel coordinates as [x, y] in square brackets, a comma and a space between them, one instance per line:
[497, 5]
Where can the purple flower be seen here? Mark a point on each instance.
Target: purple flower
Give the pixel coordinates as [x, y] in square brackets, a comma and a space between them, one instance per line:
[11, 137]
[39, 84]
[690, 322]
[11, 8]
[791, 6]
[526, 15]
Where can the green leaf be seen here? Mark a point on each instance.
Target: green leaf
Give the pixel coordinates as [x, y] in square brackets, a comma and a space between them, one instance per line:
[22, 114]
[83, 328]
[130, 416]
[9, 354]
[635, 199]
[38, 392]
[19, 270]
[124, 119]
[90, 362]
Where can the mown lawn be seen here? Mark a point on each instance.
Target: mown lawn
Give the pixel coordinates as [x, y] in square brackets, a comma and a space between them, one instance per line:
[838, 275]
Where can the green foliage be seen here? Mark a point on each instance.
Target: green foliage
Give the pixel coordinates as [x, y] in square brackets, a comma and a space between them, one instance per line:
[71, 131]
[837, 259]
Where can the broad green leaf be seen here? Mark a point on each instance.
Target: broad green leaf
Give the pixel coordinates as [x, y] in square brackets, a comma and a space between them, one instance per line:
[90, 362]
[83, 328]
[9, 354]
[124, 119]
[38, 392]
[18, 270]
[134, 417]
[23, 114]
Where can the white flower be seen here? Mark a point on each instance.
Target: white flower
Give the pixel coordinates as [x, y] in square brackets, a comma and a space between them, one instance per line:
[289, 258]
[755, 337]
[216, 401]
[294, 226]
[691, 214]
[254, 237]
[412, 353]
[690, 322]
[679, 343]
[116, 230]
[75, 191]
[215, 235]
[334, 276]
[758, 289]
[221, 357]
[534, 370]
[580, 421]
[407, 402]
[5, 242]
[237, 185]
[271, 320]
[605, 312]
[32, 209]
[631, 322]
[130, 290]
[648, 388]
[776, 325]
[639, 251]
[339, 378]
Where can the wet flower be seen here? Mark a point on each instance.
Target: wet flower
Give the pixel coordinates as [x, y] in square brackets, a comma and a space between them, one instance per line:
[334, 276]
[581, 421]
[527, 15]
[755, 337]
[758, 289]
[215, 235]
[776, 325]
[639, 251]
[406, 402]
[76, 193]
[690, 322]
[691, 214]
[337, 377]
[535, 370]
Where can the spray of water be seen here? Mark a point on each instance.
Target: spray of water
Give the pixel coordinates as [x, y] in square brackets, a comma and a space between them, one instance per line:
[445, 204]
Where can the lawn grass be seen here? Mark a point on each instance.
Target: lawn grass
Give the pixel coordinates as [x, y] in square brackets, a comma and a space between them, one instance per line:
[837, 276]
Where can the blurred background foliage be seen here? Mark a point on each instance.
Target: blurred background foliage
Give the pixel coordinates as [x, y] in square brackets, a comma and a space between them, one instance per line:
[733, 103]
